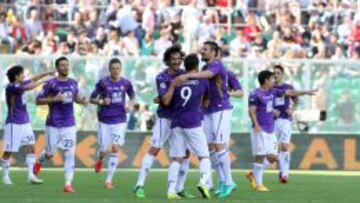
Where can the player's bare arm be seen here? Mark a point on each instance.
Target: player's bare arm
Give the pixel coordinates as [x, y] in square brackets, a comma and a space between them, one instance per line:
[252, 114]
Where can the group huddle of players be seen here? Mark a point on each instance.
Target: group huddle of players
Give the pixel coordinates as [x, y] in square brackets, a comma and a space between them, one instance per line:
[193, 116]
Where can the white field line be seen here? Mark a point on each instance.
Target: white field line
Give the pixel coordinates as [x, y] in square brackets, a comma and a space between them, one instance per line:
[295, 172]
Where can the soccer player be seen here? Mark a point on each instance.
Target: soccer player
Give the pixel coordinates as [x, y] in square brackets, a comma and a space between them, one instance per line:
[110, 96]
[18, 131]
[284, 111]
[235, 90]
[263, 140]
[173, 58]
[59, 94]
[217, 120]
[185, 100]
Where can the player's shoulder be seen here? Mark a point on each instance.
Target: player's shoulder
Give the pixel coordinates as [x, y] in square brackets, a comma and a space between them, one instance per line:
[72, 81]
[161, 75]
[254, 93]
[126, 81]
[50, 82]
[288, 86]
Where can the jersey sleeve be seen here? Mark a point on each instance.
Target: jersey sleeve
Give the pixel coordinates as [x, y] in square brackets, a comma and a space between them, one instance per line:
[253, 99]
[233, 82]
[278, 92]
[45, 91]
[76, 89]
[17, 88]
[95, 93]
[130, 91]
[161, 85]
[214, 67]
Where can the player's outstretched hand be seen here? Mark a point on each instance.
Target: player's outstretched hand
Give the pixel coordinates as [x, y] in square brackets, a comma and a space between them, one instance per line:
[51, 73]
[156, 100]
[289, 112]
[276, 113]
[106, 101]
[313, 92]
[58, 98]
[84, 101]
[257, 129]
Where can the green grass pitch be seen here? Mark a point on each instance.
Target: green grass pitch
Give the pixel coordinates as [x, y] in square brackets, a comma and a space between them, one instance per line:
[302, 188]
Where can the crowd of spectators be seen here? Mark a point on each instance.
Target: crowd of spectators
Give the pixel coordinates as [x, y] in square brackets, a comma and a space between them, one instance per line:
[244, 28]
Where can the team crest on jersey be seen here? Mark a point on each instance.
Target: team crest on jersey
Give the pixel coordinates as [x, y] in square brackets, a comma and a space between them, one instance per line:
[162, 85]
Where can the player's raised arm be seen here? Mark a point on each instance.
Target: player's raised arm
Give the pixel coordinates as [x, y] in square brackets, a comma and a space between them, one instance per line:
[38, 77]
[295, 93]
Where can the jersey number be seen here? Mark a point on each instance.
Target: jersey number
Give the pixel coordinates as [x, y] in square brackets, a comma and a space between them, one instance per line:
[185, 94]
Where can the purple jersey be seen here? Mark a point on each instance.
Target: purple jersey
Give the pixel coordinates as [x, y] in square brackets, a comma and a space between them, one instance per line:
[186, 103]
[61, 114]
[263, 100]
[282, 103]
[116, 91]
[15, 101]
[218, 96]
[233, 82]
[163, 81]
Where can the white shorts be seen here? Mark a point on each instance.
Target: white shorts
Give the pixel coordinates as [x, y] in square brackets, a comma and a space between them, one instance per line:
[161, 132]
[217, 127]
[263, 143]
[193, 138]
[63, 138]
[17, 135]
[283, 130]
[109, 134]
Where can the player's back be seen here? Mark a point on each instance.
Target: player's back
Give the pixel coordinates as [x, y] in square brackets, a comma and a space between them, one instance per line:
[186, 103]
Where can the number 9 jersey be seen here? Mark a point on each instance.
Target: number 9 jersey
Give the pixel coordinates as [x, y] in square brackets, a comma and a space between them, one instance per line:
[186, 103]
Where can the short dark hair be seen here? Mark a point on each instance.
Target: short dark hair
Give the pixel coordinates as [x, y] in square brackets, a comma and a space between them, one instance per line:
[191, 62]
[279, 67]
[13, 72]
[176, 48]
[213, 46]
[57, 61]
[264, 75]
[113, 61]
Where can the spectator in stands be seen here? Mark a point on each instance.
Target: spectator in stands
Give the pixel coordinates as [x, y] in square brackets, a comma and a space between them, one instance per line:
[77, 24]
[92, 24]
[33, 25]
[147, 45]
[49, 25]
[206, 30]
[130, 45]
[275, 46]
[113, 47]
[5, 38]
[49, 45]
[71, 41]
[252, 27]
[162, 43]
[148, 18]
[100, 38]
[18, 31]
[239, 47]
